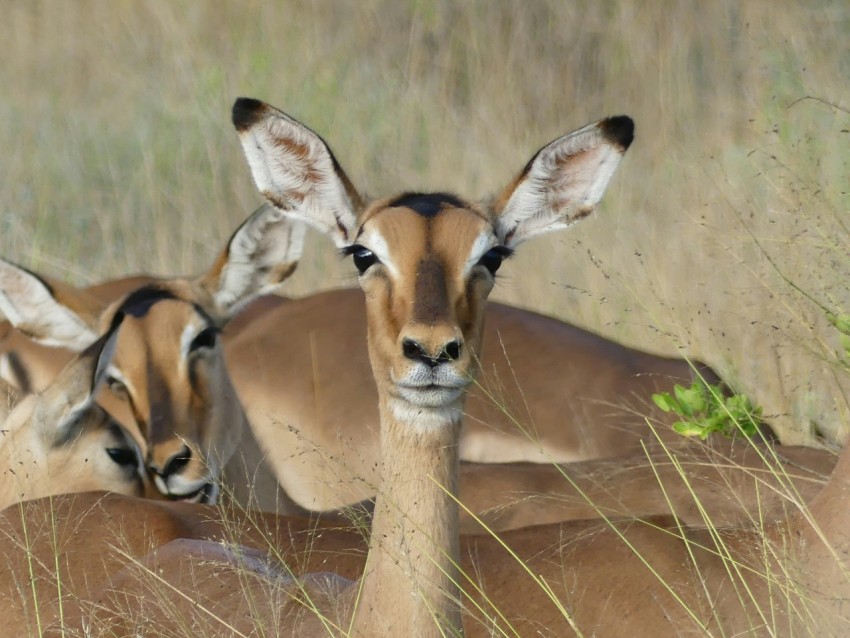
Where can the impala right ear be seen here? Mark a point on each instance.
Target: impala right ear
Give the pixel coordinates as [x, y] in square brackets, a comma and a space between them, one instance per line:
[33, 306]
[296, 171]
[262, 253]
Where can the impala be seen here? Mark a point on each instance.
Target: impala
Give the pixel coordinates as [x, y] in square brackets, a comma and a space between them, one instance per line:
[427, 263]
[61, 440]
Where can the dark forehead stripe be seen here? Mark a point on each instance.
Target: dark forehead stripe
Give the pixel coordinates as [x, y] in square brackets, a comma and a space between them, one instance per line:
[427, 204]
[431, 299]
[139, 302]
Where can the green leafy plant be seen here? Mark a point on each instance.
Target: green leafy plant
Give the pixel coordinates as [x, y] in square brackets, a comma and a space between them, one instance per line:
[705, 409]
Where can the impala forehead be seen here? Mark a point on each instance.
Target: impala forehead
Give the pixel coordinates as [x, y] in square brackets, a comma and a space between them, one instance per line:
[402, 238]
[161, 336]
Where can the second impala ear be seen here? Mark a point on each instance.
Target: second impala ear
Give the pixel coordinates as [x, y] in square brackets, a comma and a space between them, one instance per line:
[261, 254]
[296, 171]
[30, 304]
[563, 182]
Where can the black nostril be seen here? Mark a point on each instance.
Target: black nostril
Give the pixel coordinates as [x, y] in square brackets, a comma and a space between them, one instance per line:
[451, 352]
[177, 462]
[413, 350]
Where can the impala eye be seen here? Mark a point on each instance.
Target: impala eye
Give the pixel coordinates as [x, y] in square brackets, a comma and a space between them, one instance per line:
[206, 338]
[363, 257]
[116, 385]
[122, 456]
[494, 257]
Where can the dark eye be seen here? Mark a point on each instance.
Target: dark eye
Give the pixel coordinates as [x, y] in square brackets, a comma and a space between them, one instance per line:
[493, 258]
[122, 456]
[116, 385]
[206, 338]
[363, 258]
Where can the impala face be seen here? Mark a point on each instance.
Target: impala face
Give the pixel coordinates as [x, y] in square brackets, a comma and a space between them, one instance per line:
[425, 304]
[169, 365]
[61, 440]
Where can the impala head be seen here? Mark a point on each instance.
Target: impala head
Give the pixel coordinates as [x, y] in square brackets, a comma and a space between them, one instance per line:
[427, 261]
[61, 440]
[168, 364]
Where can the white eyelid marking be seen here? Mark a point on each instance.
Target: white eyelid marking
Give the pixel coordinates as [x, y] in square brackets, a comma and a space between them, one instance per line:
[372, 240]
[192, 330]
[114, 373]
[484, 242]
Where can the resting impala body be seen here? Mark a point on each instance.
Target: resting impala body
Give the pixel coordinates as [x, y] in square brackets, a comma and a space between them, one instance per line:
[724, 484]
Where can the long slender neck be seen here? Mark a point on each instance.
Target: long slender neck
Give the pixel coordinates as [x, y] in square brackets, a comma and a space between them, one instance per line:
[410, 586]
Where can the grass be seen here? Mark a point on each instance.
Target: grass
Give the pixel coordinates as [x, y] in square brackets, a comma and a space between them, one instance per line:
[723, 237]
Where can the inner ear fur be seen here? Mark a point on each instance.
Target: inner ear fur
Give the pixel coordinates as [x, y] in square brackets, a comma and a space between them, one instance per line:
[260, 255]
[49, 312]
[296, 170]
[563, 182]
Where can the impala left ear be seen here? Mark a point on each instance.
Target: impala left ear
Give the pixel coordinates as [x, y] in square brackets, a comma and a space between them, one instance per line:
[563, 182]
[261, 254]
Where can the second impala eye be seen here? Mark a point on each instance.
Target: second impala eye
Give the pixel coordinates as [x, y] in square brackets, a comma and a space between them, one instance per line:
[206, 338]
[494, 257]
[363, 257]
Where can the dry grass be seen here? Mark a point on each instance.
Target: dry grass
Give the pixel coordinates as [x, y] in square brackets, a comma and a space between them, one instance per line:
[119, 156]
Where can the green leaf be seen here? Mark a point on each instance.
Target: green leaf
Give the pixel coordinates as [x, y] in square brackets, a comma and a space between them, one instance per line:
[683, 398]
[688, 428]
[663, 400]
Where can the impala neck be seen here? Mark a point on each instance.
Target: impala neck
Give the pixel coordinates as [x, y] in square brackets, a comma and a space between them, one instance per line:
[410, 586]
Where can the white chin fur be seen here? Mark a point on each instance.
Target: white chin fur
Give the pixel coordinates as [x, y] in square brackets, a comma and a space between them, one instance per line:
[425, 418]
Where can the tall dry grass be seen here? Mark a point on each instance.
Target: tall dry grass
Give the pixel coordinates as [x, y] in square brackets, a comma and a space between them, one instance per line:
[118, 154]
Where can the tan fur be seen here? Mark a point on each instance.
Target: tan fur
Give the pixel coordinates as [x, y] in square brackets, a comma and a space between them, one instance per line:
[57, 441]
[43, 363]
[318, 431]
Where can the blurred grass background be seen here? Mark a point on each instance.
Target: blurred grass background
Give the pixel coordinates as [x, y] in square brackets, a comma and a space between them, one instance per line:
[118, 155]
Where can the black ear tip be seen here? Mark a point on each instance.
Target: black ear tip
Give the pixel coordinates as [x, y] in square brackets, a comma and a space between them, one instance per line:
[246, 111]
[620, 129]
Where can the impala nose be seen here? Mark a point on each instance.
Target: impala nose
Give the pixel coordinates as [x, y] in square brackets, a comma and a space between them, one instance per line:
[174, 464]
[416, 351]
